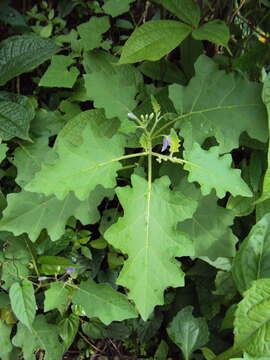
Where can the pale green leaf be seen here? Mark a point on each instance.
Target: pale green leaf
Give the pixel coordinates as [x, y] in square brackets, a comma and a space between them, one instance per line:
[152, 40]
[28, 159]
[43, 336]
[110, 93]
[56, 297]
[208, 230]
[186, 10]
[212, 171]
[87, 158]
[5, 342]
[102, 301]
[215, 31]
[19, 54]
[147, 234]
[224, 112]
[117, 7]
[23, 302]
[92, 30]
[266, 182]
[252, 258]
[59, 73]
[30, 213]
[252, 320]
[16, 113]
[188, 332]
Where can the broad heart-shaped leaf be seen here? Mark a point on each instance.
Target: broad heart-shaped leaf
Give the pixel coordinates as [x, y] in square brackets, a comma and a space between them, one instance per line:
[47, 212]
[19, 54]
[215, 31]
[252, 320]
[147, 234]
[187, 332]
[252, 259]
[186, 10]
[208, 231]
[23, 302]
[16, 113]
[116, 7]
[266, 182]
[212, 171]
[58, 74]
[43, 336]
[5, 342]
[92, 30]
[224, 112]
[108, 92]
[102, 301]
[87, 158]
[152, 40]
[56, 297]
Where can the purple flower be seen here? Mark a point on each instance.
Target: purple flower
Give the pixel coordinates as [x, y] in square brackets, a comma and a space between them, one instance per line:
[70, 270]
[42, 278]
[166, 142]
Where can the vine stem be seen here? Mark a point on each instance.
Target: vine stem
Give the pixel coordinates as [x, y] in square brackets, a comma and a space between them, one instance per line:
[174, 159]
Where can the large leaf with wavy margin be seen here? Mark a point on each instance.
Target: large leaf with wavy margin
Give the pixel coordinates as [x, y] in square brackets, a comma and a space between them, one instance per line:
[224, 112]
[212, 171]
[252, 320]
[209, 230]
[252, 259]
[147, 234]
[87, 157]
[102, 301]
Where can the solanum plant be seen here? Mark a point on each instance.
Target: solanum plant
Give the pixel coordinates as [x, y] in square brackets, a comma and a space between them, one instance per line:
[135, 180]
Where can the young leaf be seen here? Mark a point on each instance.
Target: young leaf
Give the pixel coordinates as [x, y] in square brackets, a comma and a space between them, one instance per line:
[187, 332]
[68, 328]
[87, 158]
[209, 231]
[116, 7]
[3, 150]
[43, 336]
[147, 233]
[252, 320]
[5, 342]
[102, 301]
[153, 40]
[252, 259]
[92, 30]
[58, 74]
[212, 171]
[215, 31]
[23, 53]
[224, 112]
[186, 10]
[56, 297]
[23, 302]
[16, 113]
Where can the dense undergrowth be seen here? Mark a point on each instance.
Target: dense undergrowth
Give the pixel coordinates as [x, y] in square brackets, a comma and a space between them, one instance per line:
[135, 188]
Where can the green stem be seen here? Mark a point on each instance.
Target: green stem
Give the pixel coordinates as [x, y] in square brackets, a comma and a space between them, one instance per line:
[228, 354]
[173, 159]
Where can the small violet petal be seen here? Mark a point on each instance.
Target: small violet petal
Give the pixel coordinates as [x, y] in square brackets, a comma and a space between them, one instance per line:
[42, 278]
[166, 143]
[70, 270]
